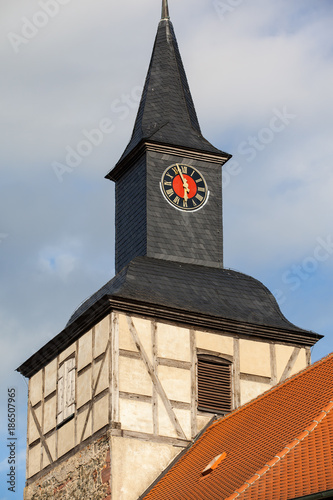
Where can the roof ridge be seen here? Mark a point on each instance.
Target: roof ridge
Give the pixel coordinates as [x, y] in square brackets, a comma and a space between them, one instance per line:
[285, 451]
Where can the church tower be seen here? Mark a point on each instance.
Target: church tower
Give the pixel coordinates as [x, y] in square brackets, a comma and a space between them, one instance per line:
[174, 338]
[167, 155]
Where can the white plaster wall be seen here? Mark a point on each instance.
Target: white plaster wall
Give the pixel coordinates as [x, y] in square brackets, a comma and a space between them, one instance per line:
[102, 331]
[84, 355]
[136, 464]
[173, 342]
[35, 388]
[101, 413]
[81, 422]
[66, 438]
[176, 383]
[50, 378]
[250, 390]
[136, 416]
[34, 460]
[134, 377]
[50, 414]
[255, 358]
[215, 342]
[83, 387]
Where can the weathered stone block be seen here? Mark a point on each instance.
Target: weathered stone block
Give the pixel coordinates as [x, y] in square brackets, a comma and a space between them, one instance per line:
[85, 475]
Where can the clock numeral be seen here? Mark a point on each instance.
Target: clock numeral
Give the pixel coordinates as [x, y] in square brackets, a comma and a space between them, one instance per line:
[194, 203]
[192, 173]
[170, 192]
[176, 200]
[166, 183]
[198, 180]
[184, 204]
[199, 197]
[201, 189]
[169, 175]
[175, 169]
[184, 169]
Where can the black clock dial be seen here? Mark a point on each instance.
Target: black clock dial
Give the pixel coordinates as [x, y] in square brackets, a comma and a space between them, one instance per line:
[184, 187]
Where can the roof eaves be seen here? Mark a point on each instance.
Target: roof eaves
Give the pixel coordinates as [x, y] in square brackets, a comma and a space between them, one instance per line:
[97, 310]
[148, 143]
[65, 338]
[279, 456]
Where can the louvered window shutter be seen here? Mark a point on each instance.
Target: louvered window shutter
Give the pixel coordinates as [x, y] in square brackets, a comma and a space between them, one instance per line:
[61, 389]
[70, 387]
[214, 385]
[66, 390]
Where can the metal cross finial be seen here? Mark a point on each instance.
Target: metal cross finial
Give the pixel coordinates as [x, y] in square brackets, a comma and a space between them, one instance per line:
[165, 10]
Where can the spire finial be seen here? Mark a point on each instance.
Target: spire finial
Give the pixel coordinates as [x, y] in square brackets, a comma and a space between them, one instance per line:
[165, 10]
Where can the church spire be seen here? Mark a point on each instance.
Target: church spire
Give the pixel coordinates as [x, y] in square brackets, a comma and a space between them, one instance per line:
[165, 10]
[166, 113]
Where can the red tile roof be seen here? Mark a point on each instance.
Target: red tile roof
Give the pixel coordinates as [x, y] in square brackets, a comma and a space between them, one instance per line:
[278, 447]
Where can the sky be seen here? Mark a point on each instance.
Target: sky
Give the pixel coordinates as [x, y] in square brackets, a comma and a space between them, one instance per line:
[260, 74]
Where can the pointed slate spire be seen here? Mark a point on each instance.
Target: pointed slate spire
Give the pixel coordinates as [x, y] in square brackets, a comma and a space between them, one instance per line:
[166, 113]
[165, 10]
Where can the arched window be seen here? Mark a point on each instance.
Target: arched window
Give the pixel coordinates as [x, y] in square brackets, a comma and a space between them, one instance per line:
[214, 384]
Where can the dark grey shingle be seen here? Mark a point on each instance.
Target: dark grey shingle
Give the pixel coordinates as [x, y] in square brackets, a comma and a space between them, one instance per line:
[201, 289]
[166, 113]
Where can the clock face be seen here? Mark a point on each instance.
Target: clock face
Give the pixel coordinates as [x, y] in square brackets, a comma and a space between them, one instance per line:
[184, 187]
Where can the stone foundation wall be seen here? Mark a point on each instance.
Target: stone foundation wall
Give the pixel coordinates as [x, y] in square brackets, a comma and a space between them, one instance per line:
[85, 475]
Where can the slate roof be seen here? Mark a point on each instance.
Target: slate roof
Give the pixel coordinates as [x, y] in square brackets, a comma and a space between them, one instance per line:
[222, 293]
[278, 447]
[203, 296]
[166, 112]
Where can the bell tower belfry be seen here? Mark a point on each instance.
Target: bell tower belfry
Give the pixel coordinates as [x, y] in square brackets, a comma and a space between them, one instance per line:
[174, 339]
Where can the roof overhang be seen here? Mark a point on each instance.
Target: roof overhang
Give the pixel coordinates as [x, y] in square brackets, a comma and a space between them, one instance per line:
[197, 320]
[145, 145]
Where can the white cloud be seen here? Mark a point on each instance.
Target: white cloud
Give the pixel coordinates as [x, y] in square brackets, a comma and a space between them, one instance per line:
[59, 261]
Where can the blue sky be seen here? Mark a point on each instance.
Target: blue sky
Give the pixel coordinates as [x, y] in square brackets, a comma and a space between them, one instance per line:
[260, 73]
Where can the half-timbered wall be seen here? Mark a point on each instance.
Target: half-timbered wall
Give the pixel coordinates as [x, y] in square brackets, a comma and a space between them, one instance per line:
[137, 378]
